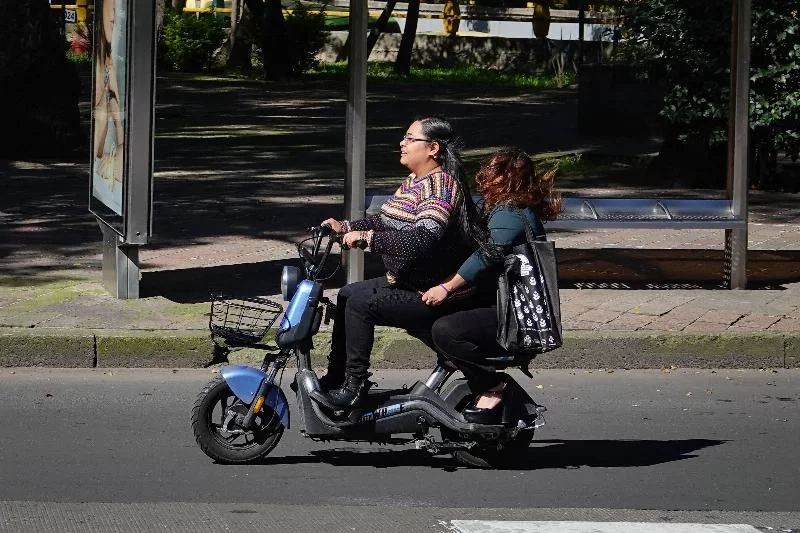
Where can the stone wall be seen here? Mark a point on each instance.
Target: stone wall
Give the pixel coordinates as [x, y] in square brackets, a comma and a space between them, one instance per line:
[497, 53]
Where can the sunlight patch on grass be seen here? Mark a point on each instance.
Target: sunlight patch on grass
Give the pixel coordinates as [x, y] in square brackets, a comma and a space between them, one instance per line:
[198, 310]
[45, 299]
[458, 74]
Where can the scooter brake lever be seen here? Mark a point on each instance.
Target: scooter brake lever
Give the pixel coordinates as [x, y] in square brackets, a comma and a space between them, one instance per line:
[330, 312]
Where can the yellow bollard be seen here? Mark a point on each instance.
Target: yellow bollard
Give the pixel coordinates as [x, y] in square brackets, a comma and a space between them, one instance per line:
[541, 19]
[451, 17]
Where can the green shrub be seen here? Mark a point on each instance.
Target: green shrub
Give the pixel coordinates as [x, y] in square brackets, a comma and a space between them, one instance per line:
[685, 44]
[190, 42]
[305, 32]
[79, 58]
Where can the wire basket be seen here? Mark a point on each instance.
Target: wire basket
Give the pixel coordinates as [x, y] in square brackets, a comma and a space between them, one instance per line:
[242, 321]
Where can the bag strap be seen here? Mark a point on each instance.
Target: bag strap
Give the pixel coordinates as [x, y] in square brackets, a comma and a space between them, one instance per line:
[530, 232]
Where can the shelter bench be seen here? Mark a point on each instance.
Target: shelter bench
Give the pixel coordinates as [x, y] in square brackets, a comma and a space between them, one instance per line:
[644, 213]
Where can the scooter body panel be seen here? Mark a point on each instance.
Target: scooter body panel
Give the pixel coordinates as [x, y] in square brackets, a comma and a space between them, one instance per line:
[244, 382]
[382, 414]
[301, 320]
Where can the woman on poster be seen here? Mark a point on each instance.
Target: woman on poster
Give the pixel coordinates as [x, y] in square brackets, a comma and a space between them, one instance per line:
[108, 126]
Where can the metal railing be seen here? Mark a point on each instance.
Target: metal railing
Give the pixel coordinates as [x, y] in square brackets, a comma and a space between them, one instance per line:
[642, 213]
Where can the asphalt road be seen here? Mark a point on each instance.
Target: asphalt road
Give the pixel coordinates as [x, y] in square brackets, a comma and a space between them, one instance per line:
[687, 445]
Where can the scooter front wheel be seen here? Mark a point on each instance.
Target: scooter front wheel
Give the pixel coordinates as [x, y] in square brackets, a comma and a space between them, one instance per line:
[214, 422]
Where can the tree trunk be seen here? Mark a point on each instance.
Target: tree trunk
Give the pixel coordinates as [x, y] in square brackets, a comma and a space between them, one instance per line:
[380, 26]
[239, 55]
[581, 29]
[374, 34]
[403, 63]
[269, 19]
[178, 5]
[276, 65]
[39, 87]
[160, 6]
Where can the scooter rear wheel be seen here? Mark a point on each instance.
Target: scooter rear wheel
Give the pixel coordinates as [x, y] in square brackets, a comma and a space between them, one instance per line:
[513, 453]
[216, 432]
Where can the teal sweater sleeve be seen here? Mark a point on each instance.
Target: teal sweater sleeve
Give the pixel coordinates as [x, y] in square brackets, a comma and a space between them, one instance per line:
[507, 230]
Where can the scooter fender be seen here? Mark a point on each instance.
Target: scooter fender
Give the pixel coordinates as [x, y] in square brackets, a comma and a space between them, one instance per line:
[244, 381]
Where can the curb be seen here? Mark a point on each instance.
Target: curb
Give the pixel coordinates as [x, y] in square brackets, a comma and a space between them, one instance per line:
[85, 348]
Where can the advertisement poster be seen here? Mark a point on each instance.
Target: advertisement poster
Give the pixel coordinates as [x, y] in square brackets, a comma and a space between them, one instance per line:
[109, 103]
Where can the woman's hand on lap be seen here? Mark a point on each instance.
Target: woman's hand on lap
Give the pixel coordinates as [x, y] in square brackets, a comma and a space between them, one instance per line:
[435, 295]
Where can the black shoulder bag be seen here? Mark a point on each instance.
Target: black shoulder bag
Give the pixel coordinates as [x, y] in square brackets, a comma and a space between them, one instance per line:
[528, 305]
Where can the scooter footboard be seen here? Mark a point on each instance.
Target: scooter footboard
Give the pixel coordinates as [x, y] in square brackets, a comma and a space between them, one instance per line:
[245, 381]
[518, 403]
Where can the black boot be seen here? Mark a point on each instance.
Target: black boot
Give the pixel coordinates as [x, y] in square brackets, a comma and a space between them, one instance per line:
[334, 378]
[350, 393]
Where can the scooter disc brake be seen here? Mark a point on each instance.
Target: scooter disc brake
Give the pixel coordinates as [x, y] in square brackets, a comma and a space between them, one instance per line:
[233, 417]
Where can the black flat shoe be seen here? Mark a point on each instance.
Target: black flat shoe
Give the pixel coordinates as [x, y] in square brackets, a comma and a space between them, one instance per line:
[493, 416]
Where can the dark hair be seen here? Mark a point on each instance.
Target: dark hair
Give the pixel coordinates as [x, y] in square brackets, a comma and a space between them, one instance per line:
[441, 131]
[510, 177]
[101, 42]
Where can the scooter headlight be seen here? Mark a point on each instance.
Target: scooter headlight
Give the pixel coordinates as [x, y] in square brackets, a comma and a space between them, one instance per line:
[290, 279]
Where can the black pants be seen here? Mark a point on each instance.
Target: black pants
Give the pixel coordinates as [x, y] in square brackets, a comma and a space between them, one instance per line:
[465, 338]
[363, 305]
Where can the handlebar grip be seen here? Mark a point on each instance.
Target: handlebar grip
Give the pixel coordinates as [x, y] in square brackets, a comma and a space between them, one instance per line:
[322, 231]
[361, 244]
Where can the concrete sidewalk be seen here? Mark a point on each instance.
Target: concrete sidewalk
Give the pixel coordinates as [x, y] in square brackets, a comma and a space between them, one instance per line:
[229, 204]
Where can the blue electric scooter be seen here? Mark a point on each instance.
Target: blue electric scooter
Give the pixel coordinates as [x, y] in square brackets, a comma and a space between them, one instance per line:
[240, 416]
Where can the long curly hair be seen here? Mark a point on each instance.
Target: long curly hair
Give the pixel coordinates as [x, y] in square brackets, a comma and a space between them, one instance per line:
[510, 177]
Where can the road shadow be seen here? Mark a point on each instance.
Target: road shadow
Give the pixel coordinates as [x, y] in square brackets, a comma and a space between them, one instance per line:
[195, 285]
[543, 454]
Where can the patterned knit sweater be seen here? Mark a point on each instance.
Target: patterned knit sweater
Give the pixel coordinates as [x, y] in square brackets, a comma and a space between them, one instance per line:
[416, 231]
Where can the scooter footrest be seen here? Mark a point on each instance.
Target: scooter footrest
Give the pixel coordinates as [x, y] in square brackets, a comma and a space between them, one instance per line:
[322, 399]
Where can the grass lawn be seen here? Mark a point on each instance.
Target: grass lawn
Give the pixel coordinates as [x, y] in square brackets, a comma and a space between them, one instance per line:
[458, 75]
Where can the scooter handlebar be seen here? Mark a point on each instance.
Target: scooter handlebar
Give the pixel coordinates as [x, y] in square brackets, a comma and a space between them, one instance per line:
[323, 230]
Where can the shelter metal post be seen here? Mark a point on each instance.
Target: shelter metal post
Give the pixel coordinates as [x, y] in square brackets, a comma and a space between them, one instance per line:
[120, 265]
[738, 142]
[124, 209]
[355, 151]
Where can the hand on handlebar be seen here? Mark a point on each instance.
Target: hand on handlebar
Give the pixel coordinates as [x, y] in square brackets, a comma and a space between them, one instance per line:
[334, 224]
[354, 239]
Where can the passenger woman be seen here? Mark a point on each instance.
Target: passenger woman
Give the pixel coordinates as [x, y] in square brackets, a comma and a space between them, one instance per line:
[512, 190]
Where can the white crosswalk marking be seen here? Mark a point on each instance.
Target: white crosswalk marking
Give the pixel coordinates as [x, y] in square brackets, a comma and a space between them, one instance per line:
[496, 526]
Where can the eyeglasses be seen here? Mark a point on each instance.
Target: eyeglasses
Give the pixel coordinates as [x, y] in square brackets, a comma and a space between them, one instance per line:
[410, 139]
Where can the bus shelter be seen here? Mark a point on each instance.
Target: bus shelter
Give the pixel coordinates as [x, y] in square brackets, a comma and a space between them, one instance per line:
[738, 135]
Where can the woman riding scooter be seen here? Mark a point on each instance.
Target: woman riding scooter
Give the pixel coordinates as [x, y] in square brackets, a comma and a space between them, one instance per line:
[511, 189]
[422, 234]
